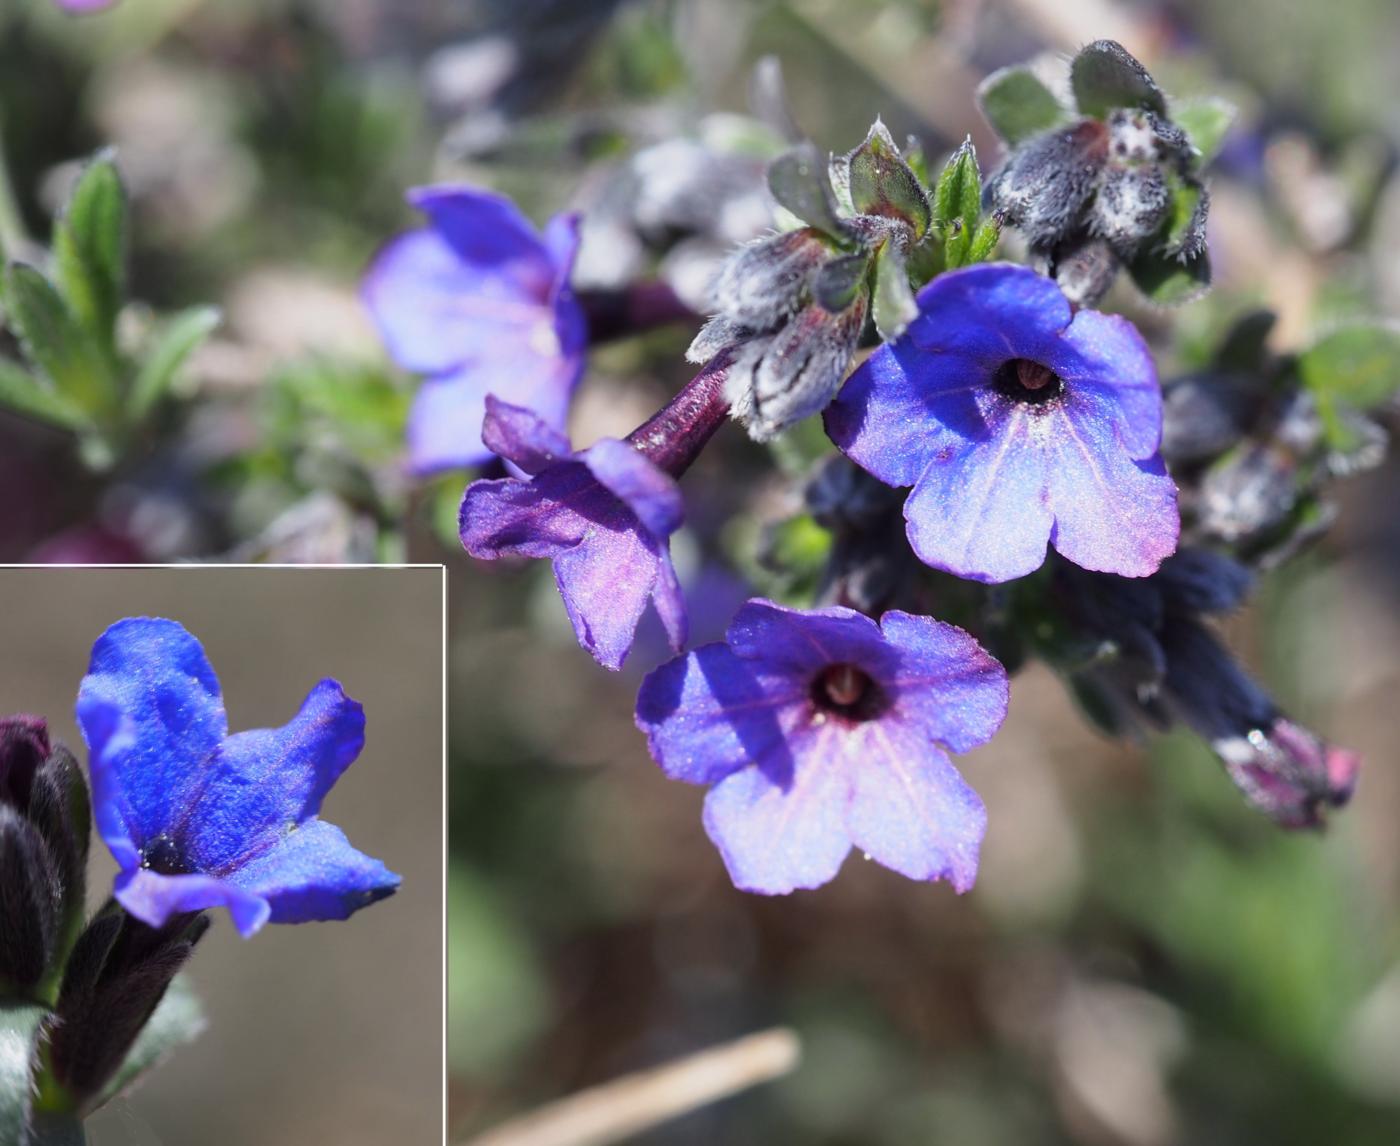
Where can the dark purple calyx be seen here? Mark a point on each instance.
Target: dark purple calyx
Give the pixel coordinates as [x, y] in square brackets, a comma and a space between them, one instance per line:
[672, 438]
[1022, 380]
[849, 692]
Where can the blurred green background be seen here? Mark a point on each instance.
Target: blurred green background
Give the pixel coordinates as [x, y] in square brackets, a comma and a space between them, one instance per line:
[326, 1032]
[1143, 962]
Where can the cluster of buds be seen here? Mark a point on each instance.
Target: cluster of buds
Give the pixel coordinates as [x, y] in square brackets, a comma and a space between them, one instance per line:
[44, 818]
[1152, 659]
[1113, 182]
[791, 308]
[96, 985]
[1254, 438]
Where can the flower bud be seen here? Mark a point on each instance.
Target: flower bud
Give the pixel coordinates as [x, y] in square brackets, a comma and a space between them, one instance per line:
[1289, 774]
[30, 901]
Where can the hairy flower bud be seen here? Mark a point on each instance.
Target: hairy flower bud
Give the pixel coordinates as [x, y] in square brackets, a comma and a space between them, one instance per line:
[1288, 773]
[31, 898]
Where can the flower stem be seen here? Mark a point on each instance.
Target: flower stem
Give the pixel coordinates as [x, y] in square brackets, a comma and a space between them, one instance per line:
[673, 437]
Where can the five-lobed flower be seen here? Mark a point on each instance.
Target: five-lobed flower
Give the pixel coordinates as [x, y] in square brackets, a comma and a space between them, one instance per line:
[197, 818]
[821, 730]
[1018, 422]
[479, 302]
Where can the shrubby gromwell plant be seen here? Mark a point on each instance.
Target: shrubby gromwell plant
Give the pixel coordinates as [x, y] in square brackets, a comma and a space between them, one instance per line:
[196, 819]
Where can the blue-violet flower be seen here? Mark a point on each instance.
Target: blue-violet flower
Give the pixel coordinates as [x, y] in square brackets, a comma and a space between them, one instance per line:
[480, 302]
[1018, 422]
[821, 731]
[603, 516]
[196, 818]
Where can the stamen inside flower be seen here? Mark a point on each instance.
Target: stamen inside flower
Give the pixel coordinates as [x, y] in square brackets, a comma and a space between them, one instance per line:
[1022, 380]
[847, 691]
[163, 856]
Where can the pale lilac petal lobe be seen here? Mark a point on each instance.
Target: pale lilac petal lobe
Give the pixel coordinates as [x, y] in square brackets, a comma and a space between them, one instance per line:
[605, 583]
[444, 426]
[646, 490]
[488, 231]
[707, 715]
[910, 810]
[779, 834]
[982, 513]
[523, 436]
[1108, 355]
[153, 898]
[947, 685]
[1112, 514]
[508, 517]
[797, 641]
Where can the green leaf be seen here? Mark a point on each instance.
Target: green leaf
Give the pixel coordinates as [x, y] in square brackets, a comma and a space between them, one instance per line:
[894, 306]
[1206, 119]
[959, 192]
[180, 338]
[177, 1020]
[89, 245]
[883, 184]
[27, 395]
[19, 1025]
[1358, 362]
[1245, 345]
[985, 240]
[1186, 199]
[1018, 105]
[1169, 281]
[800, 180]
[55, 341]
[1105, 76]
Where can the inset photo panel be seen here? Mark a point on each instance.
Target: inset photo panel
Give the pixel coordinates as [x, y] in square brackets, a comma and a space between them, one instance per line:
[221, 856]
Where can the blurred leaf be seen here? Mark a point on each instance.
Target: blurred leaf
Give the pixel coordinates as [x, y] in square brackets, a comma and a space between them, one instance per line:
[797, 548]
[182, 335]
[894, 306]
[1105, 76]
[25, 394]
[56, 342]
[959, 192]
[1018, 105]
[800, 181]
[177, 1020]
[1357, 365]
[1245, 345]
[18, 1027]
[1186, 199]
[1168, 281]
[1207, 120]
[89, 247]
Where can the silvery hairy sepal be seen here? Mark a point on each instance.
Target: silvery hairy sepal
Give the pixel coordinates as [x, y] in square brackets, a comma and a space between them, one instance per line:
[791, 307]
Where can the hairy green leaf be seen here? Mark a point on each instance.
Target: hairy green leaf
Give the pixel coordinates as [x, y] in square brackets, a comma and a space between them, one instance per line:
[180, 338]
[1018, 105]
[89, 246]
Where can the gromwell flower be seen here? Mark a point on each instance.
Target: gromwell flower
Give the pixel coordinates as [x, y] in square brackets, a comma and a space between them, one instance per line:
[821, 731]
[196, 818]
[1019, 423]
[480, 302]
[604, 516]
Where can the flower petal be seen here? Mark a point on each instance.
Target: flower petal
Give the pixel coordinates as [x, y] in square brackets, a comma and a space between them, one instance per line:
[446, 423]
[904, 407]
[153, 898]
[171, 721]
[787, 646]
[1105, 354]
[981, 512]
[910, 809]
[993, 311]
[777, 833]
[313, 873]
[605, 583]
[436, 312]
[947, 686]
[537, 518]
[488, 231]
[265, 782]
[1112, 514]
[649, 492]
[706, 715]
[523, 437]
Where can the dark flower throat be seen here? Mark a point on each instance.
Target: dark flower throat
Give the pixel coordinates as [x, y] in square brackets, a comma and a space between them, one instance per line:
[849, 692]
[1022, 380]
